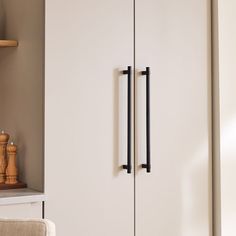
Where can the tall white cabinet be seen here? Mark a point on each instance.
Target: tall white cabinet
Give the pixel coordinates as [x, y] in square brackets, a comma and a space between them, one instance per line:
[98, 118]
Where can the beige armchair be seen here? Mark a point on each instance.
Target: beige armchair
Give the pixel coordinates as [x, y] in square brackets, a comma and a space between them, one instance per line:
[26, 228]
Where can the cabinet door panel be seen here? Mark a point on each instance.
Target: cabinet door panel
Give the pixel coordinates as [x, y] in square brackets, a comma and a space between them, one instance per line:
[87, 43]
[172, 38]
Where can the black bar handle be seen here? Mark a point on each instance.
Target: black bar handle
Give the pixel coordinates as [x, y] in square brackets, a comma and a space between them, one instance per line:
[128, 167]
[147, 166]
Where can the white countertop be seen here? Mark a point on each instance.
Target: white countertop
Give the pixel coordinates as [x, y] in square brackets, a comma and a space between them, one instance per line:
[18, 196]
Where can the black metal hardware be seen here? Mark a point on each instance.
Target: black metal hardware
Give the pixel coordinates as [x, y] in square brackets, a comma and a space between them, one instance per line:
[147, 166]
[128, 167]
[43, 210]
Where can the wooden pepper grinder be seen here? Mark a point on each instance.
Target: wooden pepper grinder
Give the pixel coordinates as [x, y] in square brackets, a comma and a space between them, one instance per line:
[4, 137]
[11, 171]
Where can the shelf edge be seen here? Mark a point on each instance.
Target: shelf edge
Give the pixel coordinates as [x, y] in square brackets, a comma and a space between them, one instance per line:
[8, 43]
[11, 200]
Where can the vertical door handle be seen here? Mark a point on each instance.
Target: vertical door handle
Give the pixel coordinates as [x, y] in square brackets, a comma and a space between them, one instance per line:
[128, 167]
[147, 166]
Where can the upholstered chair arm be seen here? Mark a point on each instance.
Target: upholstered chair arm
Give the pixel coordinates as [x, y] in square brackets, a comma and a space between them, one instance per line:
[27, 228]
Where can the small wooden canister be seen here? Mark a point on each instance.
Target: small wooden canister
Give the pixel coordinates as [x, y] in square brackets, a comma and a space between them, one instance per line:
[11, 171]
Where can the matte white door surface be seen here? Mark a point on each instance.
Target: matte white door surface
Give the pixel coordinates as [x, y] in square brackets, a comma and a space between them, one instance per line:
[87, 43]
[173, 39]
[227, 99]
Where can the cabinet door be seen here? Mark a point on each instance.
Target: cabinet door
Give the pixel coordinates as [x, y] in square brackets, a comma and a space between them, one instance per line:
[21, 211]
[173, 39]
[88, 43]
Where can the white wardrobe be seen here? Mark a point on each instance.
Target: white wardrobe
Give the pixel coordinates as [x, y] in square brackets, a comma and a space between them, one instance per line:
[128, 89]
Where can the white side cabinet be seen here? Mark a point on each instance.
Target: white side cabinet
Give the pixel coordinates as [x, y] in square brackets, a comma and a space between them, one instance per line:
[21, 203]
[19, 211]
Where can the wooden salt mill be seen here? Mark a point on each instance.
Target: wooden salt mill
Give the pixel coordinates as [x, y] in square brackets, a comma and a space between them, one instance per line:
[11, 171]
[4, 137]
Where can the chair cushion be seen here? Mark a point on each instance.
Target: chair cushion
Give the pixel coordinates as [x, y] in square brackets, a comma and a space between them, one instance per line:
[26, 228]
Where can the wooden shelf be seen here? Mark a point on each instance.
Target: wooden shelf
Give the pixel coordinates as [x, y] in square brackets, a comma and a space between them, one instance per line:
[8, 43]
[12, 186]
